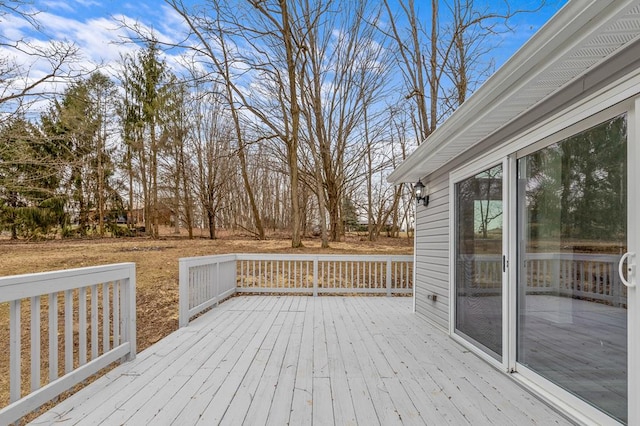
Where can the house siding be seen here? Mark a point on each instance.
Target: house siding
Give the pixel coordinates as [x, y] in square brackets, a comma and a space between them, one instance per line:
[432, 254]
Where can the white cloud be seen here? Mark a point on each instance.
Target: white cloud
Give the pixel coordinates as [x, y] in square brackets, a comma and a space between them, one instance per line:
[101, 40]
[61, 5]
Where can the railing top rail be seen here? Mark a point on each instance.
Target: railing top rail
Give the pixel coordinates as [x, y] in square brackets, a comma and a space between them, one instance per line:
[17, 287]
[609, 258]
[575, 256]
[326, 257]
[205, 260]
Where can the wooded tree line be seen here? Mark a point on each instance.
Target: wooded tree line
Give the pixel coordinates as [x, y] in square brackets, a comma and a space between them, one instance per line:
[283, 114]
[576, 189]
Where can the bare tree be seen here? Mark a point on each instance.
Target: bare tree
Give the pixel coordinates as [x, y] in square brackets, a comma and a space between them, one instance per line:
[211, 140]
[30, 70]
[268, 31]
[343, 52]
[454, 45]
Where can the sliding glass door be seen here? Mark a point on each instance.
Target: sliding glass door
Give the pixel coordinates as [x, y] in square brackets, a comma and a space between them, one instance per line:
[572, 232]
[478, 260]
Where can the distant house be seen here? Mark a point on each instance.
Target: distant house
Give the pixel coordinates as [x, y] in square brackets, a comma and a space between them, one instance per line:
[525, 251]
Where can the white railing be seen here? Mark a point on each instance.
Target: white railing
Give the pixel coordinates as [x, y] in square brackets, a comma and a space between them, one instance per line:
[97, 309]
[584, 276]
[205, 281]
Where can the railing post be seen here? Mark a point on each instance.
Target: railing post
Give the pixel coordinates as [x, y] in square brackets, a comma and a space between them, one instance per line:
[315, 277]
[183, 296]
[130, 310]
[217, 283]
[388, 277]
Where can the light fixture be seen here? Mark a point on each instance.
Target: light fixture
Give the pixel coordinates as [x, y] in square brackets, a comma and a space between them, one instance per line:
[420, 192]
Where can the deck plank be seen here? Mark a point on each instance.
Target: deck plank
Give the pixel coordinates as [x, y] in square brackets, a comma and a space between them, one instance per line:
[343, 410]
[374, 366]
[305, 360]
[302, 401]
[322, 402]
[281, 405]
[261, 404]
[154, 362]
[222, 362]
[125, 402]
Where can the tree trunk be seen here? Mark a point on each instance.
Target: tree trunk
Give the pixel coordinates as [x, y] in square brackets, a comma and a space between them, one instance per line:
[257, 219]
[100, 188]
[292, 139]
[212, 224]
[188, 214]
[130, 220]
[153, 171]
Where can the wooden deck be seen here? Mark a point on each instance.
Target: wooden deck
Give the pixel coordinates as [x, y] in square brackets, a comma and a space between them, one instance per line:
[303, 360]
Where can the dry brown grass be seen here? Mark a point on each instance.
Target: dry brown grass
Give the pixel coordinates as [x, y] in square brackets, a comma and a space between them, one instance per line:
[157, 272]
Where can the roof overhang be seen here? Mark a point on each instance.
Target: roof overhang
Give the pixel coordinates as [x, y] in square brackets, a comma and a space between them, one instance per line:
[580, 37]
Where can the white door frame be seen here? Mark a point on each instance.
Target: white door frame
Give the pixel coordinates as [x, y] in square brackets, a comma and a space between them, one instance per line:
[633, 232]
[608, 102]
[553, 394]
[454, 178]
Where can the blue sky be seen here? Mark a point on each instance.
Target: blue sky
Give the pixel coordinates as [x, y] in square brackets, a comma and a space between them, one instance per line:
[94, 25]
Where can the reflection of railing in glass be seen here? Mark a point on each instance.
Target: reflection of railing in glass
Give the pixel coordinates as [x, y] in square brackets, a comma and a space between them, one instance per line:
[579, 276]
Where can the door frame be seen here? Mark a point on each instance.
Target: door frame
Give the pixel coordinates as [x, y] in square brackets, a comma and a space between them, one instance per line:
[456, 177]
[633, 235]
[549, 391]
[613, 100]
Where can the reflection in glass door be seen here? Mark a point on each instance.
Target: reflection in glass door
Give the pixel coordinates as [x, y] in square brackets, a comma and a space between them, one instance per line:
[478, 273]
[572, 306]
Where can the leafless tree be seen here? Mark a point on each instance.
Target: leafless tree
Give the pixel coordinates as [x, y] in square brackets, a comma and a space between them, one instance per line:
[29, 69]
[345, 74]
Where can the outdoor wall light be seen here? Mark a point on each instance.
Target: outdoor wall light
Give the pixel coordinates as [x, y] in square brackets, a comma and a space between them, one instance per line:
[420, 192]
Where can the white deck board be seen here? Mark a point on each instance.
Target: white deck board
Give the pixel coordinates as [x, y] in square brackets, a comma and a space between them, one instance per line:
[303, 360]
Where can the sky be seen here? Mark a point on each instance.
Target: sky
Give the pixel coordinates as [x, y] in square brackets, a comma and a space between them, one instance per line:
[95, 26]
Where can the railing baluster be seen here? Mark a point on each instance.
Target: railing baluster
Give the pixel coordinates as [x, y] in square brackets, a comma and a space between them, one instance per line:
[35, 343]
[94, 322]
[116, 312]
[389, 277]
[288, 280]
[68, 331]
[82, 325]
[353, 284]
[15, 348]
[53, 336]
[315, 276]
[106, 332]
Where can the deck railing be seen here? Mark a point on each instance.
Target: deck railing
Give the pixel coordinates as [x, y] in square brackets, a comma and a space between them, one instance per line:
[205, 281]
[584, 276]
[89, 323]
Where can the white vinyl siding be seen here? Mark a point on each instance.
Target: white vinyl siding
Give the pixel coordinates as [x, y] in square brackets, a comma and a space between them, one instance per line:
[432, 254]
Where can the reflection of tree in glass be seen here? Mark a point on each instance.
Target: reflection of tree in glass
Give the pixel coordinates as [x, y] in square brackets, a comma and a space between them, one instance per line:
[577, 187]
[489, 190]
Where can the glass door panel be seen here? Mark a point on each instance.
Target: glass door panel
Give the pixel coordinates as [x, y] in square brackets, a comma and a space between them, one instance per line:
[572, 306]
[478, 273]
